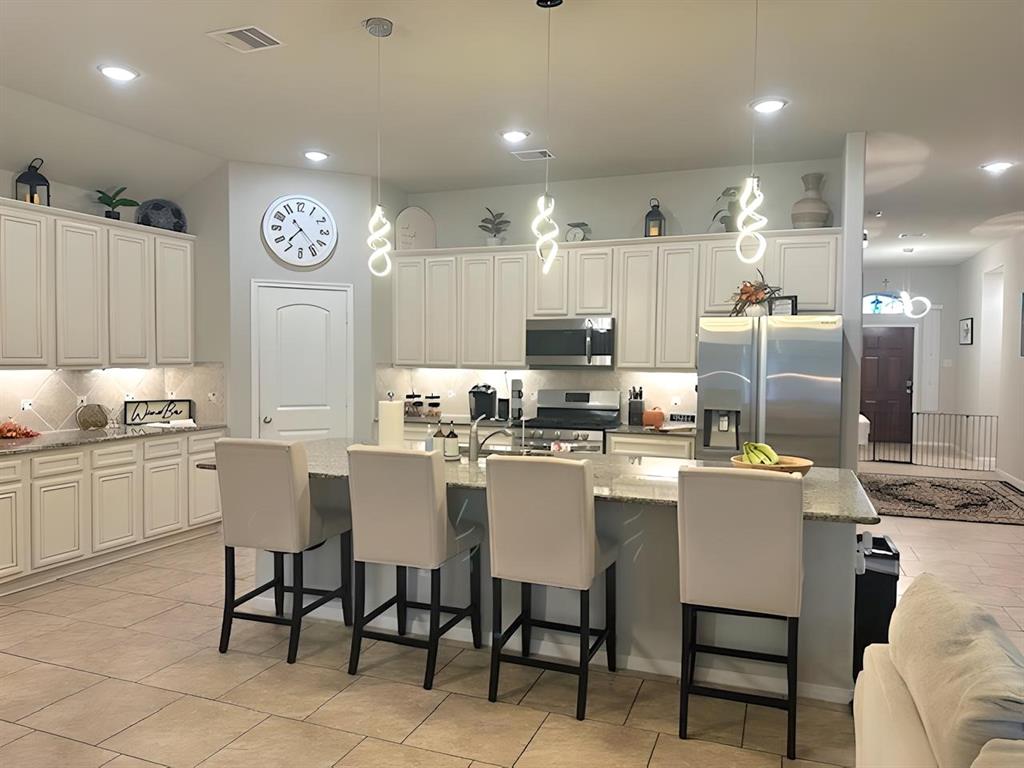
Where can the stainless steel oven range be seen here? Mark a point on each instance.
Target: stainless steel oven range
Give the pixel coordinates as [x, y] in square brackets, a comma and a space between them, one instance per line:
[570, 420]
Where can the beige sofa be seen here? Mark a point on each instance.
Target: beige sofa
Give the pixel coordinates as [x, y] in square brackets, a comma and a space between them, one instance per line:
[947, 691]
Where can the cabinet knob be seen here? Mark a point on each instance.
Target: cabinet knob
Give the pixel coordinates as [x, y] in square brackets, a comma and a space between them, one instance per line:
[267, 419]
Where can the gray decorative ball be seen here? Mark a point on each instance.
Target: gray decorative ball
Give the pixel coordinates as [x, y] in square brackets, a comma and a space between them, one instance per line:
[162, 214]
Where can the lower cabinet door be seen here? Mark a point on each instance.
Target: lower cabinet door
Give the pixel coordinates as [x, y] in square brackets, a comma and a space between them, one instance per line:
[60, 515]
[164, 497]
[13, 528]
[657, 446]
[116, 507]
[203, 491]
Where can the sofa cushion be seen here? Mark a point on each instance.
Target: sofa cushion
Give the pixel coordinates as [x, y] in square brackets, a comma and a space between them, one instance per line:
[966, 677]
[1001, 753]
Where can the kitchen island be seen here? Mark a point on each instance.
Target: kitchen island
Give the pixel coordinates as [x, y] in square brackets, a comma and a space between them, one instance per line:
[636, 502]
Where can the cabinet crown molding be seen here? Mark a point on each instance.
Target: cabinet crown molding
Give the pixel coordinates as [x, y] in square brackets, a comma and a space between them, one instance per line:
[91, 218]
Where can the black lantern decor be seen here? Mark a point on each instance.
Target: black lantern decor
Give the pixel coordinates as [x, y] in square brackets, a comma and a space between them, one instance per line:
[654, 221]
[29, 183]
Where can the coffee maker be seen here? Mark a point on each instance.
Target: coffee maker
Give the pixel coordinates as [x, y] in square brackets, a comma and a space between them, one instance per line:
[483, 401]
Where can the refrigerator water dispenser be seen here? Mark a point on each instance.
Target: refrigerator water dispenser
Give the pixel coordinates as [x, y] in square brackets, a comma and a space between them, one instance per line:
[721, 428]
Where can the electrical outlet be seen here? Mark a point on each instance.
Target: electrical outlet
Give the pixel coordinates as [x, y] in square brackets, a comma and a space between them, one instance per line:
[211, 396]
[81, 400]
[170, 395]
[129, 396]
[26, 405]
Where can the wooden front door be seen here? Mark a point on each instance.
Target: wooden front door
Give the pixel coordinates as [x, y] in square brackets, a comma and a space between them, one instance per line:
[887, 383]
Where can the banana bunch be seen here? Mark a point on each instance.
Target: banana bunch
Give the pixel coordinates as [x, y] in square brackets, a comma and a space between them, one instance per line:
[759, 453]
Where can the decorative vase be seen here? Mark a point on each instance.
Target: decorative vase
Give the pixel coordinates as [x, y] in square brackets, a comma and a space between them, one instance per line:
[811, 210]
[755, 310]
[112, 214]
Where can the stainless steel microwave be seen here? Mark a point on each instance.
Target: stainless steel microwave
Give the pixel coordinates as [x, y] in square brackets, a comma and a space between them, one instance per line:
[583, 342]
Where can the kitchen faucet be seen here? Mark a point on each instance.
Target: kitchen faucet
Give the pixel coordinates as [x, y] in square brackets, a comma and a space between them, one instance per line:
[475, 443]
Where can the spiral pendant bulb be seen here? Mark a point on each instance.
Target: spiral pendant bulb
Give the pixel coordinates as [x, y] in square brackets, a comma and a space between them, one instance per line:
[908, 305]
[546, 231]
[749, 221]
[379, 261]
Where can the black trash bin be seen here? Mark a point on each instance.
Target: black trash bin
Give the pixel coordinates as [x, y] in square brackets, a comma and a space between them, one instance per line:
[875, 597]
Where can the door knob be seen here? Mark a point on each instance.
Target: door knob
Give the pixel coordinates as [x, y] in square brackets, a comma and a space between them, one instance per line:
[267, 419]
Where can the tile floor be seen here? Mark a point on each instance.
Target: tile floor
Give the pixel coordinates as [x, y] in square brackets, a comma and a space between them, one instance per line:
[118, 667]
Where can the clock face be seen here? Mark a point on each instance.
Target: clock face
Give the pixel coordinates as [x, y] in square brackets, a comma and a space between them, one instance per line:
[299, 230]
[575, 235]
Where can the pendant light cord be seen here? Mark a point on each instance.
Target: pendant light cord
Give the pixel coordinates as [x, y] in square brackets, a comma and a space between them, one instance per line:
[378, 122]
[547, 107]
[753, 96]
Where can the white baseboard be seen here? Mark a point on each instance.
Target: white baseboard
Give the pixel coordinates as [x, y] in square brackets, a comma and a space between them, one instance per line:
[1014, 481]
[570, 653]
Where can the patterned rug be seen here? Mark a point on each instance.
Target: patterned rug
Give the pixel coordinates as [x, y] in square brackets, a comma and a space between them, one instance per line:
[989, 501]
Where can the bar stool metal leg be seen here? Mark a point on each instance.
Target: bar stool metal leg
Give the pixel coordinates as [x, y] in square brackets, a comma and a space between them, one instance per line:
[229, 598]
[581, 691]
[475, 618]
[435, 627]
[693, 643]
[492, 691]
[794, 631]
[401, 590]
[297, 593]
[279, 583]
[527, 612]
[684, 672]
[346, 577]
[359, 597]
[609, 616]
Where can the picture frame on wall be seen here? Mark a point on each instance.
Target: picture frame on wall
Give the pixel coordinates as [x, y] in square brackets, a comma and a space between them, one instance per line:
[966, 331]
[782, 305]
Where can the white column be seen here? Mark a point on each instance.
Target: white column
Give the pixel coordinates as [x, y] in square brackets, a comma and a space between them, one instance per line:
[852, 291]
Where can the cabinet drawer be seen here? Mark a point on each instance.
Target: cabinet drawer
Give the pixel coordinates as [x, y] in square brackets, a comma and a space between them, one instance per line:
[640, 445]
[49, 465]
[203, 443]
[125, 453]
[10, 470]
[163, 447]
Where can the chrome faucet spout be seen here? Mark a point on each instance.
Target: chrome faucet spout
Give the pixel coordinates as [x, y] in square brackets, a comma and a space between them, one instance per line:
[475, 443]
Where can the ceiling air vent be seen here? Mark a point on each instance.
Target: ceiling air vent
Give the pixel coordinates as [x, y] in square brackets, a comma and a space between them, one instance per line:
[532, 154]
[245, 39]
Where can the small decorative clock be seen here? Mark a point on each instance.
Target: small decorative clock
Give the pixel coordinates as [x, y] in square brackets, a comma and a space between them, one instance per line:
[299, 230]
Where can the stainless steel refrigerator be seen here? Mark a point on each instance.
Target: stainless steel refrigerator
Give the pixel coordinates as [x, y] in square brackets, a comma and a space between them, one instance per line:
[775, 380]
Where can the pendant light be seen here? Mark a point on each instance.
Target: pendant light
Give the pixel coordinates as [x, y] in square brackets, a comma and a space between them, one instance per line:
[909, 301]
[543, 226]
[379, 227]
[748, 220]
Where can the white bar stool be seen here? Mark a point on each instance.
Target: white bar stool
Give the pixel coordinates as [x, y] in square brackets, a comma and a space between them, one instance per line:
[541, 520]
[400, 518]
[265, 504]
[741, 554]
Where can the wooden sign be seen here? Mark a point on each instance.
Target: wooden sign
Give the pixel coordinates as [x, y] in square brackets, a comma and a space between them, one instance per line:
[148, 411]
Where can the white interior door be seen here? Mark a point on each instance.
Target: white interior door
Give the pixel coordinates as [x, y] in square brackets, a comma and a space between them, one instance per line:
[302, 361]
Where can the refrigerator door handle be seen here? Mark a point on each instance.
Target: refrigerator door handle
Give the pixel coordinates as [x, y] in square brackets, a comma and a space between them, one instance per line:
[760, 369]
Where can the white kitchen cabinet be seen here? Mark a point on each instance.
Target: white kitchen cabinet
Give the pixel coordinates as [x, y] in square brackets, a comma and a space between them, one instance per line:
[591, 281]
[808, 269]
[26, 294]
[203, 491]
[476, 299]
[510, 289]
[441, 311]
[677, 306]
[165, 496]
[60, 518]
[81, 269]
[116, 506]
[131, 315]
[664, 446]
[635, 318]
[408, 299]
[13, 529]
[549, 294]
[173, 274]
[722, 273]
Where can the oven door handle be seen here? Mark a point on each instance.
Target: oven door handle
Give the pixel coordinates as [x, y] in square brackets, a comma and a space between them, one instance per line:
[589, 345]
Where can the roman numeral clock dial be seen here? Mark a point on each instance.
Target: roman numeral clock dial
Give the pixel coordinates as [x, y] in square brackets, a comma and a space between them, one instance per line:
[299, 230]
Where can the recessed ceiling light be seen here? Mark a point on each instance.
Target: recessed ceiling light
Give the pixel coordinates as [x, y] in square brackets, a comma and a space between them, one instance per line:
[905, 235]
[768, 106]
[316, 155]
[877, 214]
[908, 250]
[514, 135]
[120, 74]
[997, 166]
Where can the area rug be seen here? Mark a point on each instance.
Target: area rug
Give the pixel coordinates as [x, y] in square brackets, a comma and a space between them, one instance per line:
[988, 501]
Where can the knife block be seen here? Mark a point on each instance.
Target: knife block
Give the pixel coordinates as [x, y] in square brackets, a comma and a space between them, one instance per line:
[636, 413]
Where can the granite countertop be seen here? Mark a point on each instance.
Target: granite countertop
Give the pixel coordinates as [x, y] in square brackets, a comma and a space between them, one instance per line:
[626, 429]
[830, 494]
[70, 438]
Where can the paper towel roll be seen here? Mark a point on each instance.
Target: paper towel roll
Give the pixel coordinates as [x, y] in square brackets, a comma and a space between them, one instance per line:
[391, 423]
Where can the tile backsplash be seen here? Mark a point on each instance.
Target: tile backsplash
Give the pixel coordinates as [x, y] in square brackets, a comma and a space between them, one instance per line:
[54, 393]
[669, 391]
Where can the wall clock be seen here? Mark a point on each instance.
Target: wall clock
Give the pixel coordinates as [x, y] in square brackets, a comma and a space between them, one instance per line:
[299, 230]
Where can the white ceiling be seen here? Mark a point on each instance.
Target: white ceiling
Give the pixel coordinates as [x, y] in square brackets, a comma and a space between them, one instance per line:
[637, 86]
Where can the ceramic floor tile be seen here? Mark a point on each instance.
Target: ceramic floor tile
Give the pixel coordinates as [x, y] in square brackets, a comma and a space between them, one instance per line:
[400, 663]
[280, 743]
[373, 753]
[657, 709]
[124, 610]
[186, 621]
[100, 711]
[150, 581]
[1000, 577]
[824, 735]
[247, 636]
[9, 664]
[32, 688]
[1017, 614]
[378, 708]
[205, 590]
[17, 598]
[24, 625]
[289, 690]
[43, 750]
[1005, 561]
[997, 544]
[209, 673]
[478, 730]
[105, 574]
[609, 696]
[563, 741]
[11, 731]
[72, 599]
[1003, 619]
[185, 732]
[469, 674]
[127, 761]
[673, 752]
[323, 643]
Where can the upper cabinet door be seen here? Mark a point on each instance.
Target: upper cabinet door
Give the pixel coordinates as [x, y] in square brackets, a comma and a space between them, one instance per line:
[173, 271]
[510, 310]
[677, 306]
[722, 272]
[808, 268]
[592, 292]
[635, 321]
[130, 266]
[549, 294]
[81, 268]
[409, 290]
[441, 310]
[26, 298]
[476, 297]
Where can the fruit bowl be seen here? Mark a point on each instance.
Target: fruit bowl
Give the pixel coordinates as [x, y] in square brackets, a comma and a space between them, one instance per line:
[786, 464]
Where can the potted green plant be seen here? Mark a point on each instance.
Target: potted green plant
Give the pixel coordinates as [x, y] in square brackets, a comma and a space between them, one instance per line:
[495, 225]
[113, 201]
[727, 216]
